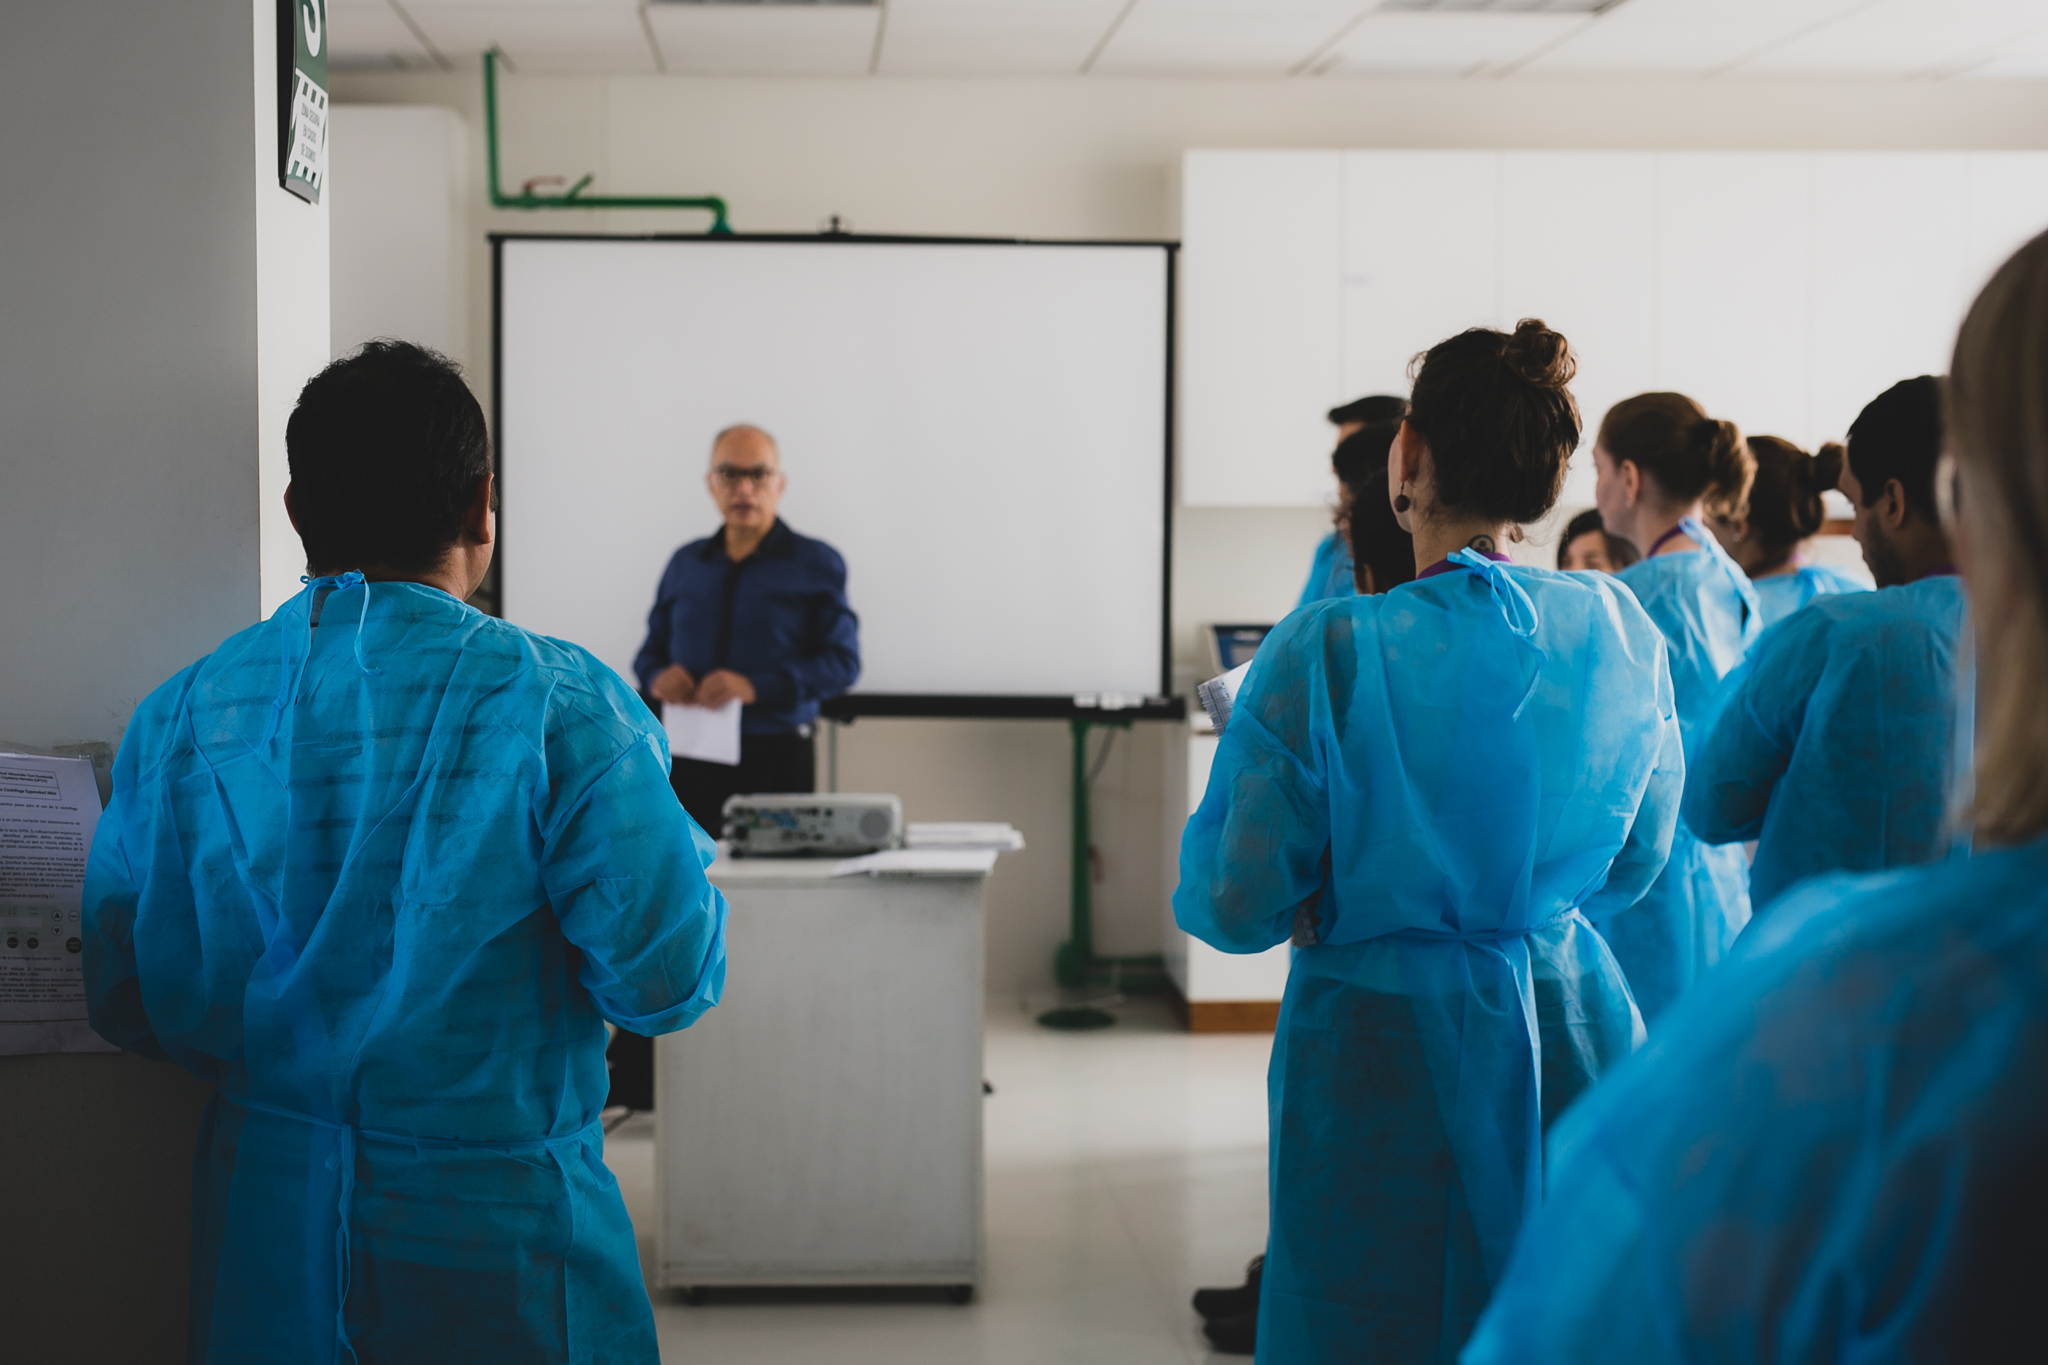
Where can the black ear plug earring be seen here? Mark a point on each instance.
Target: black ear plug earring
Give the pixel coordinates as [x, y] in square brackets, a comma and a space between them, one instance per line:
[1401, 502]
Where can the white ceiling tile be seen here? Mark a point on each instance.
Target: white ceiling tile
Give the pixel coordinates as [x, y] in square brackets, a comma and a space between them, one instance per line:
[369, 33]
[1696, 36]
[1249, 37]
[993, 37]
[540, 35]
[1443, 43]
[762, 40]
[2021, 58]
[1904, 37]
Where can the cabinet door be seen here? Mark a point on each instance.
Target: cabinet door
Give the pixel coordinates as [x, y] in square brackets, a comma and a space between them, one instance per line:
[2008, 207]
[1260, 326]
[1889, 276]
[1734, 313]
[1578, 251]
[1421, 258]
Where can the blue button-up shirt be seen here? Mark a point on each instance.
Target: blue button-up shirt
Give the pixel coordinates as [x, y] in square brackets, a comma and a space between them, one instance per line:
[779, 617]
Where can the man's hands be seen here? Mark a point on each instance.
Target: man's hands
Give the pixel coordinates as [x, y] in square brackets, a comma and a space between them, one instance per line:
[674, 684]
[722, 686]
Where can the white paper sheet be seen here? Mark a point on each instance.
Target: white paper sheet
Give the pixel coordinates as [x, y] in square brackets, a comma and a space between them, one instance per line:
[710, 734]
[942, 862]
[963, 834]
[49, 808]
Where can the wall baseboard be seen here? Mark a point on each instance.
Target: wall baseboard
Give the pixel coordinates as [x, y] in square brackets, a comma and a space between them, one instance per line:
[1226, 1016]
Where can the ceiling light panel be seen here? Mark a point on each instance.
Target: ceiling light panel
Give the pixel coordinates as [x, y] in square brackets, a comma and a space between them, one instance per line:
[592, 36]
[766, 40]
[1444, 43]
[1224, 37]
[993, 37]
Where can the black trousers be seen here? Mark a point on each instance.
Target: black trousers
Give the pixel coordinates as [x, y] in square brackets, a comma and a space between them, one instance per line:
[768, 763]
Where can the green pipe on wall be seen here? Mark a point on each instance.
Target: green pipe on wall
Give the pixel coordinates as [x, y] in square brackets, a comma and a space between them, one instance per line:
[574, 198]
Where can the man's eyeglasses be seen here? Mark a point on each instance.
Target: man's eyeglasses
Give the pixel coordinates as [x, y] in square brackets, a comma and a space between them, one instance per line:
[731, 474]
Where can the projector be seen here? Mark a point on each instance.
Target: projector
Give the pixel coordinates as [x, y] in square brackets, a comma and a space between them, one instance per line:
[820, 824]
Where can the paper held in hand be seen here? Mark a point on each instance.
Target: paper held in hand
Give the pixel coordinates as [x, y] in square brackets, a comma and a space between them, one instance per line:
[1219, 695]
[708, 734]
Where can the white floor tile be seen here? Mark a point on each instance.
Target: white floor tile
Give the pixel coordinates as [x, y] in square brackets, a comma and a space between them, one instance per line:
[1126, 1167]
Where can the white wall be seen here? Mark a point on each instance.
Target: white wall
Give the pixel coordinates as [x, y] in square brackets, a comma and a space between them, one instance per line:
[399, 181]
[1094, 158]
[155, 299]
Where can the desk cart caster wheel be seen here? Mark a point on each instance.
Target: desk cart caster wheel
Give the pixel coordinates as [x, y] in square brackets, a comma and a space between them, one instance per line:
[959, 1293]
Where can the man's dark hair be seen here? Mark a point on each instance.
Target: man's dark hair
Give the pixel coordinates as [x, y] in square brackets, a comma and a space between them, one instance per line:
[1371, 410]
[1621, 552]
[386, 447]
[1898, 436]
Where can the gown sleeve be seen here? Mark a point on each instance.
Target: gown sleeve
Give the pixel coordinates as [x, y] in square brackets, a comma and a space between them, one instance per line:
[1257, 848]
[624, 869]
[1648, 846]
[1750, 744]
[113, 988]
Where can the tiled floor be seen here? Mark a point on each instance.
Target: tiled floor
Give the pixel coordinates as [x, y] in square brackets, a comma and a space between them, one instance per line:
[1125, 1168]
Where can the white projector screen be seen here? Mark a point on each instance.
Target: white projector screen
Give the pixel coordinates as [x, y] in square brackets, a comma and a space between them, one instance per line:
[980, 428]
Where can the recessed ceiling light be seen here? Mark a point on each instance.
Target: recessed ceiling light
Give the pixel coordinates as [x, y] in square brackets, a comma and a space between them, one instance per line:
[1503, 6]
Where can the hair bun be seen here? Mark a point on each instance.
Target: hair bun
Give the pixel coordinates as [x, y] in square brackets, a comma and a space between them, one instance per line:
[1539, 355]
[1824, 470]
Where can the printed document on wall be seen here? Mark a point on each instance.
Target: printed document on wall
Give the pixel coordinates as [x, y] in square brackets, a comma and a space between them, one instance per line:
[49, 808]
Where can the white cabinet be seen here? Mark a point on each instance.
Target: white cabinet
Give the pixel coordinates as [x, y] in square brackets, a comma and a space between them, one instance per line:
[822, 1125]
[1261, 337]
[1783, 290]
[1223, 992]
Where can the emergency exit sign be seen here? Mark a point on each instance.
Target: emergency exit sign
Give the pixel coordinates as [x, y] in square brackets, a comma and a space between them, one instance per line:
[302, 97]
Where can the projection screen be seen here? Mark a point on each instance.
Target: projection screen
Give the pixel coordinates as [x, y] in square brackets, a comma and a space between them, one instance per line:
[980, 429]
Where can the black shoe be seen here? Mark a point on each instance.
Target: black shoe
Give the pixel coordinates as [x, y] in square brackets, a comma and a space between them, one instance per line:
[1230, 1303]
[1234, 1336]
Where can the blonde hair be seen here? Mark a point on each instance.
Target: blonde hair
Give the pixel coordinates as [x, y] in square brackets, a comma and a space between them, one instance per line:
[1998, 428]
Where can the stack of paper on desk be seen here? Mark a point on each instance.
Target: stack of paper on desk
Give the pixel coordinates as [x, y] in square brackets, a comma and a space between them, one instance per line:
[912, 861]
[964, 834]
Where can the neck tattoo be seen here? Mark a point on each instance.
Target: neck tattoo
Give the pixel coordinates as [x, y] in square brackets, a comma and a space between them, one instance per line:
[1483, 544]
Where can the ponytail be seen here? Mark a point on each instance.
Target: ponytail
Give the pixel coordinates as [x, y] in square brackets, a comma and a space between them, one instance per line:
[1687, 454]
[1785, 498]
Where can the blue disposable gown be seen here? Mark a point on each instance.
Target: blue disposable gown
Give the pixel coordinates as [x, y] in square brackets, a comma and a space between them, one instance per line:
[1440, 778]
[1779, 595]
[1836, 748]
[1330, 573]
[1832, 1156]
[1708, 612]
[382, 882]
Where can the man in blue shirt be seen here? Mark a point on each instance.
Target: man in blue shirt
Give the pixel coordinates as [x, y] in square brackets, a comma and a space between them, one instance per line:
[756, 612]
[1330, 573]
[1836, 748]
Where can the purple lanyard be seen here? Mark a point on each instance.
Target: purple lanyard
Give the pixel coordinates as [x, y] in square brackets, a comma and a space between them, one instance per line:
[1660, 542]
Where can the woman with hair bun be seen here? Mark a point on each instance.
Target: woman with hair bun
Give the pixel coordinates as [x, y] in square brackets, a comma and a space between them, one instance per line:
[1785, 512]
[1430, 790]
[1661, 464]
[1835, 1154]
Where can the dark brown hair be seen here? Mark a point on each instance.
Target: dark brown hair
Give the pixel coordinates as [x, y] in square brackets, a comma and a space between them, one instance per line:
[1998, 425]
[1691, 456]
[1499, 419]
[1784, 498]
[1377, 540]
